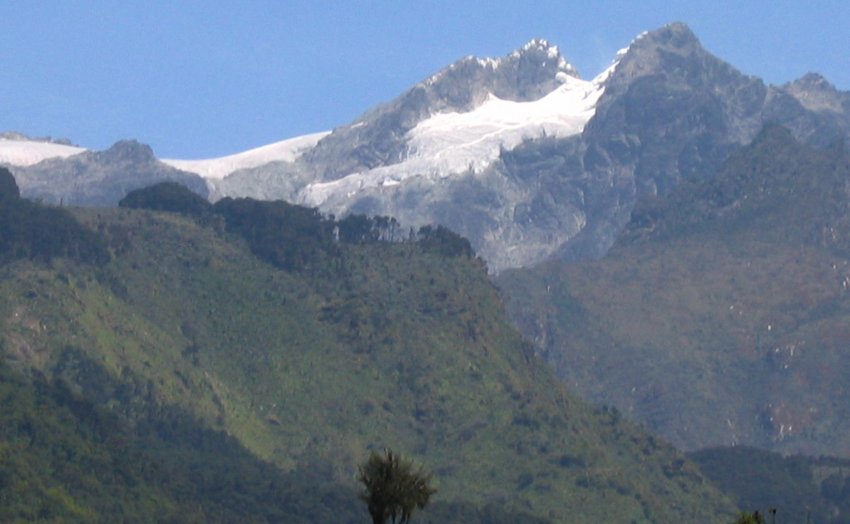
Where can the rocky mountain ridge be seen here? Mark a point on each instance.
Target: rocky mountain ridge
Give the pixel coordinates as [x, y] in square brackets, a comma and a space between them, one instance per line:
[100, 178]
[522, 156]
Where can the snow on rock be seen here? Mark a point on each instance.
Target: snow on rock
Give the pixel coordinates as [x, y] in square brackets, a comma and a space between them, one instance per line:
[452, 143]
[24, 153]
[218, 168]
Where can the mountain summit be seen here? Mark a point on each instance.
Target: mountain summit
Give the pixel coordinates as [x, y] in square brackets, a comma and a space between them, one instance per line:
[528, 160]
[527, 74]
[519, 153]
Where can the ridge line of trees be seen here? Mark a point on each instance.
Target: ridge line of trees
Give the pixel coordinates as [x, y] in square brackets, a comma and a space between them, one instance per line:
[290, 236]
[29, 230]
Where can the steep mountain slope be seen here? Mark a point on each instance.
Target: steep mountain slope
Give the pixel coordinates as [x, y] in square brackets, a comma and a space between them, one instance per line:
[425, 157]
[720, 315]
[365, 346]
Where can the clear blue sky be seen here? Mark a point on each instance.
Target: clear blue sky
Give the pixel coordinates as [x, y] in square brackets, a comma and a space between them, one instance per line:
[206, 78]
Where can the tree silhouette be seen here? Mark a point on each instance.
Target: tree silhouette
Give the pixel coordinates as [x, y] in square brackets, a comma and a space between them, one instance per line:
[750, 518]
[392, 488]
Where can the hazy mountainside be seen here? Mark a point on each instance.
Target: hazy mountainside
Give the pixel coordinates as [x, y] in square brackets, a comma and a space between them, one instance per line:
[99, 178]
[720, 316]
[306, 358]
[801, 489]
[818, 112]
[517, 153]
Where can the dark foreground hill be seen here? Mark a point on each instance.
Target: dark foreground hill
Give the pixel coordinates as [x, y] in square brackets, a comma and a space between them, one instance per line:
[205, 373]
[721, 315]
[799, 488]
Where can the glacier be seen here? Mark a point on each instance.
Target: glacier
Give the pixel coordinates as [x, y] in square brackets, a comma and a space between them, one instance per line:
[31, 152]
[457, 143]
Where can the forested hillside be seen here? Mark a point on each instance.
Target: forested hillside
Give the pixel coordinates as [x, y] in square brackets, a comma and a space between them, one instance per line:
[249, 355]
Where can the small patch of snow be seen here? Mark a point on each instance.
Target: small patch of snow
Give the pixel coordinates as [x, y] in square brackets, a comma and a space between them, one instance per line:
[492, 63]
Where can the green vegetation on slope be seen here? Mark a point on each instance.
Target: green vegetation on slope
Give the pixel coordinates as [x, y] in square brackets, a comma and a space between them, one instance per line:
[62, 459]
[380, 345]
[721, 316]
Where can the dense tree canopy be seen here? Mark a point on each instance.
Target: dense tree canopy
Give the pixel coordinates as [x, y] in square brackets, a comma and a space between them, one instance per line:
[167, 196]
[33, 231]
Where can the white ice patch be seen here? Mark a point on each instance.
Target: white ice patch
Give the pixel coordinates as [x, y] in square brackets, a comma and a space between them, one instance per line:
[454, 143]
[24, 153]
[218, 168]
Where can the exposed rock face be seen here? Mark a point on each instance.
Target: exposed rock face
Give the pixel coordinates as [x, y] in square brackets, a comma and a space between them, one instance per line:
[669, 111]
[100, 178]
[377, 138]
[816, 111]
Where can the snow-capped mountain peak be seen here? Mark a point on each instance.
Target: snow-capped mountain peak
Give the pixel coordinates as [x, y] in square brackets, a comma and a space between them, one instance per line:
[529, 72]
[541, 46]
[518, 153]
[455, 123]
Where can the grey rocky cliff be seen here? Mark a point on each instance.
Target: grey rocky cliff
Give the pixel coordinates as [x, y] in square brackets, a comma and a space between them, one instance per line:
[672, 111]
